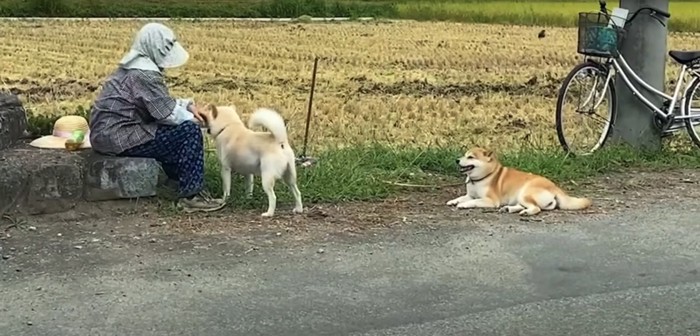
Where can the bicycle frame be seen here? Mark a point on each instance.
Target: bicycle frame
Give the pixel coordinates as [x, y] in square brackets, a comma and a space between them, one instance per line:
[622, 68]
[675, 111]
[620, 65]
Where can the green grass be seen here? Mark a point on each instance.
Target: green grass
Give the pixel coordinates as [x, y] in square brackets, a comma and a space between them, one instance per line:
[540, 13]
[523, 12]
[205, 8]
[372, 172]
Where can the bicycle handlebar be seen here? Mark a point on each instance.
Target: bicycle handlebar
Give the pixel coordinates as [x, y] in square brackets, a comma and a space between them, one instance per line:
[653, 11]
[660, 12]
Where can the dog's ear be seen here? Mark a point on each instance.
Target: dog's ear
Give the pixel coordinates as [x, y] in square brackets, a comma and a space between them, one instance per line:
[214, 111]
[490, 155]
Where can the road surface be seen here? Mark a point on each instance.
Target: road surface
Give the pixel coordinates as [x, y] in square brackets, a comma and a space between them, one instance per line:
[633, 272]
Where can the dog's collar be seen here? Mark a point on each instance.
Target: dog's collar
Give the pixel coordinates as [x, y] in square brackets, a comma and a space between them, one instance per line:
[219, 132]
[472, 181]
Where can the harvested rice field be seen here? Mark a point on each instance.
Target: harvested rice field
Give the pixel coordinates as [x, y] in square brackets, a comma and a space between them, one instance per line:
[403, 83]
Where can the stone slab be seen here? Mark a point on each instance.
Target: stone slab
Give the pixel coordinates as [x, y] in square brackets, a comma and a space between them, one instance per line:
[111, 178]
[13, 120]
[13, 183]
[39, 181]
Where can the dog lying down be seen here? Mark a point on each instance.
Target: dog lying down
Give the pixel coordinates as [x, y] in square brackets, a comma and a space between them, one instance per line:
[491, 185]
[244, 151]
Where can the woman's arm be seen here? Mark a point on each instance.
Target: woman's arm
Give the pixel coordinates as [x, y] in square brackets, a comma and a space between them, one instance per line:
[180, 114]
[149, 88]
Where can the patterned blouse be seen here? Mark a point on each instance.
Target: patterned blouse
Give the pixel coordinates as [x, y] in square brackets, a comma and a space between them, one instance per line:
[125, 112]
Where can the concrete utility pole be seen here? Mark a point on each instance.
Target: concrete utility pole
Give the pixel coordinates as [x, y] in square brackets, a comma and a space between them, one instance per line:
[644, 48]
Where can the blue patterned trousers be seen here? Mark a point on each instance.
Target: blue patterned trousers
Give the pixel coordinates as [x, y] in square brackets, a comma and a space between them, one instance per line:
[180, 151]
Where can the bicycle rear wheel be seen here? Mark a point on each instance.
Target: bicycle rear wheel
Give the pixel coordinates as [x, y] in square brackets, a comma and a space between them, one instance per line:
[692, 108]
[579, 105]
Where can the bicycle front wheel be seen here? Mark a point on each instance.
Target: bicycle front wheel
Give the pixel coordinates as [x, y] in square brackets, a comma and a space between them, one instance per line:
[586, 109]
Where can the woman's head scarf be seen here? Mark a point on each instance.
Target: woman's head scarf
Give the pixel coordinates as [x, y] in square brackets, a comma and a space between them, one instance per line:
[155, 47]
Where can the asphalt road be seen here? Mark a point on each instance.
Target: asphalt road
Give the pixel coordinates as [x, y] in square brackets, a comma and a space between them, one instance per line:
[634, 273]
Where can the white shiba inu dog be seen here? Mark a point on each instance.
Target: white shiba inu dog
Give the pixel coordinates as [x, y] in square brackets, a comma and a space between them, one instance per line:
[252, 153]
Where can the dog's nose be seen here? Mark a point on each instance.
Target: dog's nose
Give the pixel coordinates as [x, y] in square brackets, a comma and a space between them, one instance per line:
[457, 161]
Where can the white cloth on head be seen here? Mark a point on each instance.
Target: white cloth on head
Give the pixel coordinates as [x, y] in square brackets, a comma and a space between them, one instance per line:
[155, 47]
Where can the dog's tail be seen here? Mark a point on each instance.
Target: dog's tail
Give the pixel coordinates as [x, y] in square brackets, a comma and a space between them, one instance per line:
[271, 120]
[566, 202]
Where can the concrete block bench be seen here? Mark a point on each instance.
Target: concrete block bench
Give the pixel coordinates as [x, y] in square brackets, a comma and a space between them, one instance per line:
[43, 181]
[110, 178]
[13, 120]
[38, 181]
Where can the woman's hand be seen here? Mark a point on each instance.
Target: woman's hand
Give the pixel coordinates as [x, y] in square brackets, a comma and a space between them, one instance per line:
[195, 111]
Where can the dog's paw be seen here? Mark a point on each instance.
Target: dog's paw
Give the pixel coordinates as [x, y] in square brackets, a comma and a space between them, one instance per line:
[452, 202]
[267, 214]
[528, 212]
[464, 205]
[298, 210]
[511, 209]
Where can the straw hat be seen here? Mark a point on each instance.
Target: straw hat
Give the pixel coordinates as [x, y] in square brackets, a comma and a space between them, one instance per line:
[63, 129]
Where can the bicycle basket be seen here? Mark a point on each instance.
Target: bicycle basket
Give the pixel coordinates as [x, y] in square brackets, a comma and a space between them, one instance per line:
[597, 36]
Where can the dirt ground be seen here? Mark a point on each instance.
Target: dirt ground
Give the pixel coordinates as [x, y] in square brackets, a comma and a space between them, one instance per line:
[140, 222]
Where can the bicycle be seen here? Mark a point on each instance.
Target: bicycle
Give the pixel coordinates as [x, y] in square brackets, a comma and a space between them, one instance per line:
[598, 40]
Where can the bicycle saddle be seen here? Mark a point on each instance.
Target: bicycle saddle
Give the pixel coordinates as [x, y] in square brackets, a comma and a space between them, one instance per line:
[685, 57]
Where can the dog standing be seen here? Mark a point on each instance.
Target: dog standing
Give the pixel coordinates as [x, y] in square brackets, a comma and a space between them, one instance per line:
[251, 153]
[492, 185]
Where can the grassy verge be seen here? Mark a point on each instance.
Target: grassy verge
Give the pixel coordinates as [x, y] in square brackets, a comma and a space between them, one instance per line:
[206, 8]
[542, 12]
[539, 13]
[372, 172]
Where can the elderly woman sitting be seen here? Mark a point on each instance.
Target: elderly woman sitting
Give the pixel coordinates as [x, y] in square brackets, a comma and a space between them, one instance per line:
[134, 115]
